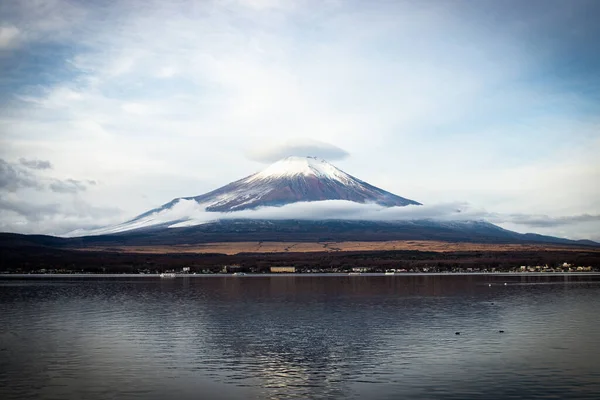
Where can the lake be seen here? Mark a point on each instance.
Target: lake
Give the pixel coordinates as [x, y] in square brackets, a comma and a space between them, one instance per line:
[301, 337]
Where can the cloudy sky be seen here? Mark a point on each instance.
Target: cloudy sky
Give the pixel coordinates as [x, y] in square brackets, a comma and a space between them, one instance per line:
[110, 108]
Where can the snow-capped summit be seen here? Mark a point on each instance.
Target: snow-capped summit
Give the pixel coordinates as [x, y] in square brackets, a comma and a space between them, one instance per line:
[296, 179]
[290, 180]
[305, 166]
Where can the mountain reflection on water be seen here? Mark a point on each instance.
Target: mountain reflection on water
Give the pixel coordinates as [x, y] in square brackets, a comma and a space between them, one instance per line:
[378, 337]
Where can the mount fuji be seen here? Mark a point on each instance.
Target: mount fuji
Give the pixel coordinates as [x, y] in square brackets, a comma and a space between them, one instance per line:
[291, 180]
[287, 181]
[281, 203]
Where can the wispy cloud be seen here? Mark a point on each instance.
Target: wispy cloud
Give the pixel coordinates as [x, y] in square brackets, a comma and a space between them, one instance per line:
[52, 218]
[67, 186]
[31, 201]
[269, 153]
[545, 220]
[31, 211]
[9, 36]
[35, 164]
[13, 178]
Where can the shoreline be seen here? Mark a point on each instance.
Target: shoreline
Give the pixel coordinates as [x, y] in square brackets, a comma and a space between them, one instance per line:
[324, 274]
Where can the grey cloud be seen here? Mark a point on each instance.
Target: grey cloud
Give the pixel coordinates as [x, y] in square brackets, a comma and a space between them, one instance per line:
[13, 178]
[67, 186]
[542, 221]
[35, 164]
[32, 212]
[52, 218]
[9, 36]
[298, 147]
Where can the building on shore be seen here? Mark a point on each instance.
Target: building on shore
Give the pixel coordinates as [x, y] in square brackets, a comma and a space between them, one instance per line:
[278, 270]
[231, 268]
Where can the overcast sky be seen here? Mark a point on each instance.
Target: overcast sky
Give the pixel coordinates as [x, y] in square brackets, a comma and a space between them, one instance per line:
[110, 108]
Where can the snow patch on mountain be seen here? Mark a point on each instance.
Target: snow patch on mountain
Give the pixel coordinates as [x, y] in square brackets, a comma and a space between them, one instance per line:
[305, 166]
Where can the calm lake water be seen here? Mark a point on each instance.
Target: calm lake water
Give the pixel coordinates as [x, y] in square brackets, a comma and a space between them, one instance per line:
[338, 337]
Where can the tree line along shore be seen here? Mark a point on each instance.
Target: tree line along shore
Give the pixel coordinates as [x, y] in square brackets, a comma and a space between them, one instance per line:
[46, 260]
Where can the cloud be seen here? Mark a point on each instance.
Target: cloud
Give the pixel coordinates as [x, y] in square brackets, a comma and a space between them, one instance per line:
[297, 147]
[185, 213]
[136, 108]
[545, 220]
[340, 209]
[13, 178]
[67, 186]
[52, 218]
[48, 20]
[190, 213]
[31, 211]
[264, 4]
[9, 35]
[35, 164]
